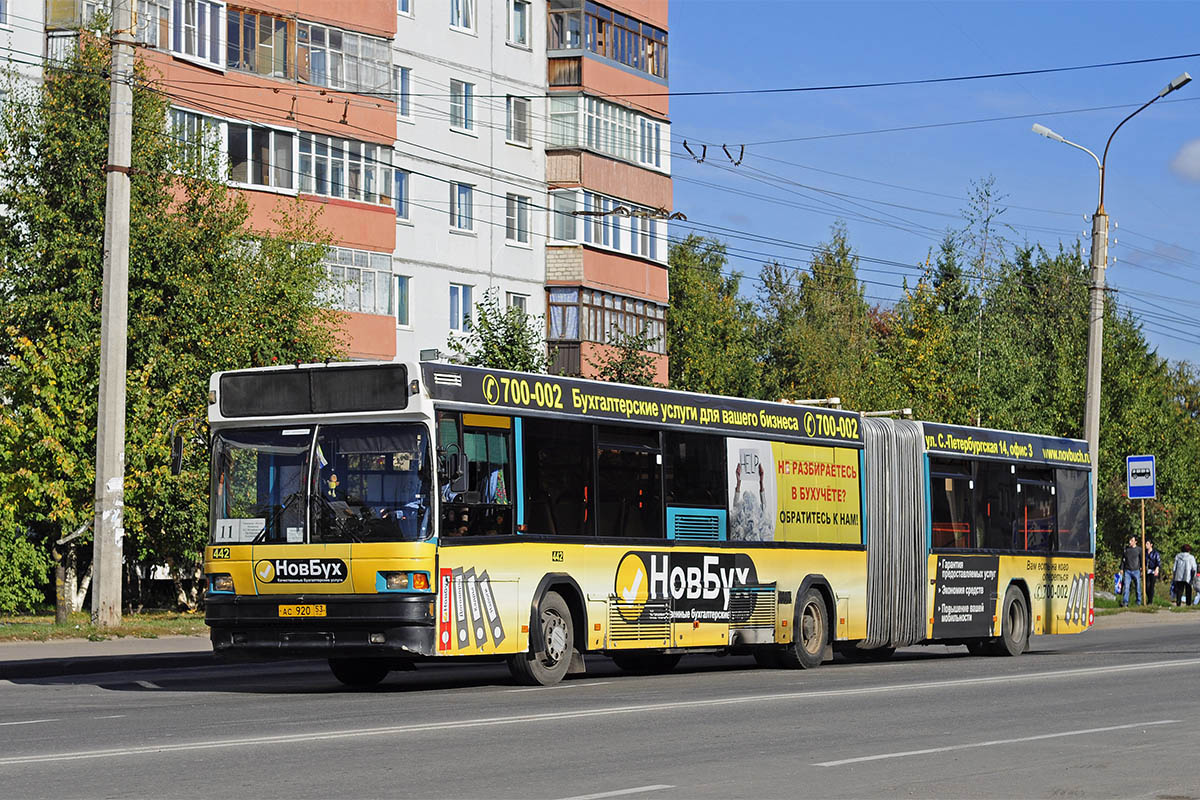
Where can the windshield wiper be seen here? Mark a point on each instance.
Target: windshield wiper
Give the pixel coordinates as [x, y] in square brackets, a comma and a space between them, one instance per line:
[275, 515]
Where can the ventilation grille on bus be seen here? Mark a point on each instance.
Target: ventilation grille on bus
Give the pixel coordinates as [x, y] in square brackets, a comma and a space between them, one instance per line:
[696, 524]
[447, 379]
[753, 607]
[638, 622]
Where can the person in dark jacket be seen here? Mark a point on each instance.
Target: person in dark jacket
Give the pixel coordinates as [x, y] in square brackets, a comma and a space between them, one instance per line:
[1131, 563]
[1153, 562]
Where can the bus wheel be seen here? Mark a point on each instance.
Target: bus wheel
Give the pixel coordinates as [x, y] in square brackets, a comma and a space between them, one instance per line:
[1014, 627]
[358, 673]
[812, 633]
[646, 663]
[548, 658]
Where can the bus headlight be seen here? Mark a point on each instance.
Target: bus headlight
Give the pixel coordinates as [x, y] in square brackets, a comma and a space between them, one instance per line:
[402, 582]
[220, 583]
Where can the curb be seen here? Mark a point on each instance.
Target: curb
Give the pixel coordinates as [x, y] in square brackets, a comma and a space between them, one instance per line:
[88, 665]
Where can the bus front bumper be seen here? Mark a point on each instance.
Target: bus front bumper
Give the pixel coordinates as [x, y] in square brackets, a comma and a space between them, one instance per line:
[355, 626]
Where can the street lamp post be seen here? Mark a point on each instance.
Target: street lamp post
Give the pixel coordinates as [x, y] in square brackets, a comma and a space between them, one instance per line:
[1091, 414]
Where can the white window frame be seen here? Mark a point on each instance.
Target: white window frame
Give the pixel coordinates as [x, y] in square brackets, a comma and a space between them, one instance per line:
[275, 167]
[146, 22]
[517, 121]
[4, 13]
[462, 15]
[403, 315]
[512, 6]
[400, 200]
[178, 42]
[372, 163]
[462, 106]
[462, 307]
[402, 78]
[344, 67]
[404, 7]
[517, 214]
[613, 232]
[462, 221]
[588, 122]
[347, 268]
[561, 207]
[517, 300]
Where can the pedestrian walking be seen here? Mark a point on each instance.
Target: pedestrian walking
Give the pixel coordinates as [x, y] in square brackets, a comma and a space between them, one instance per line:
[1183, 574]
[1131, 562]
[1153, 562]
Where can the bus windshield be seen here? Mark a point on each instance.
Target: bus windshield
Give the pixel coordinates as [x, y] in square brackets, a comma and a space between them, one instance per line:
[368, 483]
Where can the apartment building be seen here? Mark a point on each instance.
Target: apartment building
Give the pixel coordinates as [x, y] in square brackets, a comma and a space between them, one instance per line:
[608, 164]
[452, 147]
[21, 39]
[470, 163]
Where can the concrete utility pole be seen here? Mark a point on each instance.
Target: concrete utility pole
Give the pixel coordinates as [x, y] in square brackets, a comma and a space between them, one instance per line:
[1096, 288]
[110, 416]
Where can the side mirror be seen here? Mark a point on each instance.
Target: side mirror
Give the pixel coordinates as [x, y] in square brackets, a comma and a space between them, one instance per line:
[458, 472]
[177, 454]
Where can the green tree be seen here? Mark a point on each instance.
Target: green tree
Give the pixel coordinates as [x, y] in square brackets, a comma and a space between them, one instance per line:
[206, 293]
[626, 359]
[501, 338]
[710, 328]
[815, 327]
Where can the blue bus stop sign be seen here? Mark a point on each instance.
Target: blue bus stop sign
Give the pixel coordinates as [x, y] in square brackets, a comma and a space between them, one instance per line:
[1140, 477]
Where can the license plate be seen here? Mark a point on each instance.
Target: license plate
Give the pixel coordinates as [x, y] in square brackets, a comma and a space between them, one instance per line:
[307, 610]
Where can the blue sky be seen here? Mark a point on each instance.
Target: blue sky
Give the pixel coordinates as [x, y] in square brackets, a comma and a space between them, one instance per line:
[1050, 190]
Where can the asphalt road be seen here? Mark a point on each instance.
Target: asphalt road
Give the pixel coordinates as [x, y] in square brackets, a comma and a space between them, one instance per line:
[1111, 713]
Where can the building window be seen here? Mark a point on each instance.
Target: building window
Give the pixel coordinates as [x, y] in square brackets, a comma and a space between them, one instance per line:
[196, 134]
[3, 12]
[609, 34]
[345, 168]
[462, 112]
[404, 7]
[362, 280]
[259, 43]
[564, 121]
[196, 28]
[514, 300]
[516, 221]
[402, 300]
[589, 315]
[460, 307]
[259, 156]
[461, 202]
[517, 127]
[609, 128]
[518, 22]
[153, 21]
[402, 77]
[562, 206]
[462, 14]
[400, 188]
[341, 59]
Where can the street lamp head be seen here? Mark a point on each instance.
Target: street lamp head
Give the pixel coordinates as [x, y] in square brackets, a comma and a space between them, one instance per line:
[1042, 130]
[1178, 83]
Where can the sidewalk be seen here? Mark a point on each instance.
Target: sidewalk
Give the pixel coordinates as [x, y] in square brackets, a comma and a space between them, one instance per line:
[82, 657]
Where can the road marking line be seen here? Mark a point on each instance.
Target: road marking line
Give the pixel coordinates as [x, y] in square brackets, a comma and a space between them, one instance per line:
[28, 722]
[110, 716]
[553, 716]
[1039, 737]
[619, 792]
[148, 684]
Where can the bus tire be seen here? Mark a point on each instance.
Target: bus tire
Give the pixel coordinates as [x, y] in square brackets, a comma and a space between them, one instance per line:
[646, 663]
[1014, 625]
[550, 655]
[811, 633]
[358, 673]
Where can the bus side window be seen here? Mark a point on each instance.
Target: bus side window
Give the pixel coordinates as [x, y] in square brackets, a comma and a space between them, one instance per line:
[951, 491]
[558, 478]
[1074, 520]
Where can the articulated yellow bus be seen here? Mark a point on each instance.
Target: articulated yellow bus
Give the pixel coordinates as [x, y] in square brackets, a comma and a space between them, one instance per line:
[382, 514]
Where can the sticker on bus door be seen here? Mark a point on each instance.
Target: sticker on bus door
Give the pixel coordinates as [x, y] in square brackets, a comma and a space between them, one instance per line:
[462, 627]
[445, 587]
[478, 623]
[964, 597]
[489, 606]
